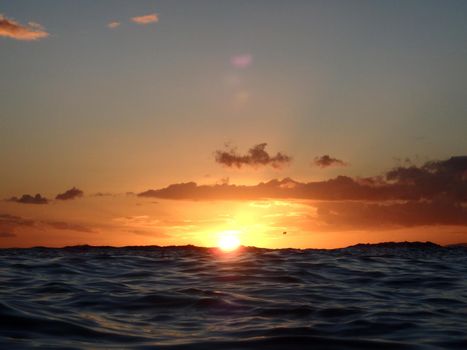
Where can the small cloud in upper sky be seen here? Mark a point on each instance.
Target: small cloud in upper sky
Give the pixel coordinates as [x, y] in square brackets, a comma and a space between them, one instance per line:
[241, 61]
[113, 24]
[327, 161]
[256, 156]
[70, 194]
[11, 29]
[28, 199]
[146, 19]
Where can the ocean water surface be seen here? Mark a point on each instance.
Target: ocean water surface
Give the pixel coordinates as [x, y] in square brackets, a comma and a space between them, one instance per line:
[390, 296]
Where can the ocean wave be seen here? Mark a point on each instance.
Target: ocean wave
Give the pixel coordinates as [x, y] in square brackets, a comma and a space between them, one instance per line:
[389, 296]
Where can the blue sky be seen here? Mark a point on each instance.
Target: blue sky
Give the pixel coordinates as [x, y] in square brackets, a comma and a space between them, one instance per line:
[139, 106]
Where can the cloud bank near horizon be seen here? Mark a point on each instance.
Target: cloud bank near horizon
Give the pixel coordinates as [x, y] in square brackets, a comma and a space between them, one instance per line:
[447, 178]
[432, 194]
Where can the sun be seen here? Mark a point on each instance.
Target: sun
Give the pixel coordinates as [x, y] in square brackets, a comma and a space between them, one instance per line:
[228, 241]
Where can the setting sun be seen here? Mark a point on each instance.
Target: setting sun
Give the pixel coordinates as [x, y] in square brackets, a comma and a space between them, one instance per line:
[233, 174]
[228, 241]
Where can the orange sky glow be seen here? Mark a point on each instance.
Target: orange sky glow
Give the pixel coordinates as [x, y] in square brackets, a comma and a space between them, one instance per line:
[303, 124]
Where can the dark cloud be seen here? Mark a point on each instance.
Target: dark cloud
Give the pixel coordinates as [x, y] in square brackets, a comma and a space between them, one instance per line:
[327, 161]
[4, 234]
[442, 178]
[364, 215]
[447, 177]
[28, 199]
[339, 188]
[14, 30]
[192, 191]
[256, 156]
[70, 194]
[432, 194]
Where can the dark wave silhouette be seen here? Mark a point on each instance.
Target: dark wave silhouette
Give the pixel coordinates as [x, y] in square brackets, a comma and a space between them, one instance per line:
[408, 295]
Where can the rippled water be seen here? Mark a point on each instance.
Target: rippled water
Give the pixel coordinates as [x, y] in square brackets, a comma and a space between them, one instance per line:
[390, 297]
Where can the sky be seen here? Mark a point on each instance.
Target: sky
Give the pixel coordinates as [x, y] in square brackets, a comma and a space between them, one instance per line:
[285, 123]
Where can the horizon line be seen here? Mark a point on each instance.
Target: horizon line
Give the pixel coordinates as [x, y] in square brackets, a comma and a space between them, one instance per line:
[413, 243]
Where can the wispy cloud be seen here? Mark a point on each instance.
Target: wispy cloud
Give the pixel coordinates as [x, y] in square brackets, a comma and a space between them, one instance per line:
[69, 226]
[146, 19]
[7, 220]
[113, 24]
[4, 234]
[256, 156]
[11, 222]
[9, 28]
[72, 193]
[327, 161]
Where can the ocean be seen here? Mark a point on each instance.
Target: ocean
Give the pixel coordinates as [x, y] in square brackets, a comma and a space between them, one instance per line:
[387, 296]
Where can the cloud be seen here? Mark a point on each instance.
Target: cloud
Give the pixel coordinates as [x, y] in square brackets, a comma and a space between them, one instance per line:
[38, 199]
[11, 222]
[61, 225]
[361, 215]
[103, 194]
[146, 19]
[11, 29]
[340, 188]
[256, 156]
[327, 161]
[7, 220]
[113, 24]
[434, 179]
[432, 194]
[28, 199]
[241, 61]
[4, 234]
[70, 194]
[150, 233]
